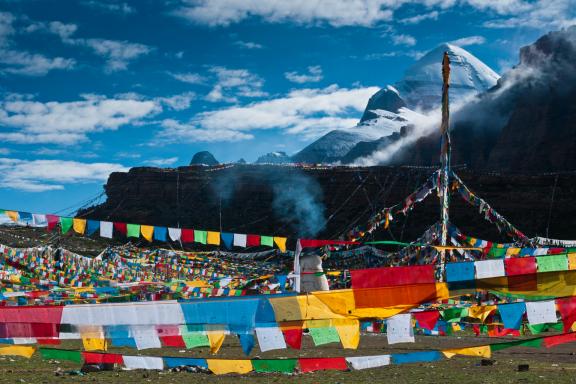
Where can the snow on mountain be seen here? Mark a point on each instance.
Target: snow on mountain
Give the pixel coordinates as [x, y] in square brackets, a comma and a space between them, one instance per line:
[421, 87]
[274, 158]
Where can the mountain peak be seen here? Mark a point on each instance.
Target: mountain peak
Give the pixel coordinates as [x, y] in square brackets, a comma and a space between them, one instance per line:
[203, 158]
[421, 86]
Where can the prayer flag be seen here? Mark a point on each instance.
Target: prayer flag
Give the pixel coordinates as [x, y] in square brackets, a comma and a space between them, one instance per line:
[511, 314]
[174, 233]
[365, 362]
[253, 240]
[173, 362]
[324, 335]
[133, 230]
[13, 215]
[399, 329]
[567, 308]
[416, 357]
[187, 236]
[348, 331]
[247, 342]
[222, 367]
[486, 269]
[121, 227]
[552, 263]
[213, 238]
[227, 239]
[482, 351]
[53, 220]
[106, 229]
[61, 354]
[79, 225]
[102, 358]
[147, 232]
[216, 338]
[200, 236]
[39, 220]
[65, 224]
[520, 266]
[143, 362]
[267, 241]
[392, 276]
[427, 319]
[281, 243]
[17, 350]
[92, 226]
[270, 338]
[239, 240]
[541, 312]
[277, 365]
[160, 233]
[322, 364]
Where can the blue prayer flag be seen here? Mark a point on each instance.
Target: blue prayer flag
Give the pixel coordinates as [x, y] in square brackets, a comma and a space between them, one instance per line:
[173, 362]
[227, 239]
[416, 357]
[92, 226]
[160, 233]
[511, 314]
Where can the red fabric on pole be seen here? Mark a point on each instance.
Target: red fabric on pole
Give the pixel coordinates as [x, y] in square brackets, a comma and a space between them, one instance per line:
[567, 309]
[173, 341]
[427, 319]
[320, 243]
[392, 276]
[121, 227]
[52, 220]
[520, 266]
[552, 341]
[46, 314]
[187, 236]
[323, 364]
[102, 358]
[252, 240]
[293, 338]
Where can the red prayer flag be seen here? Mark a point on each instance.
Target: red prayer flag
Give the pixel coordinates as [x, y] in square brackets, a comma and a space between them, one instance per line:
[173, 341]
[52, 220]
[552, 341]
[187, 236]
[293, 337]
[121, 227]
[48, 341]
[47, 314]
[322, 364]
[392, 296]
[427, 319]
[567, 309]
[520, 266]
[253, 240]
[392, 276]
[102, 358]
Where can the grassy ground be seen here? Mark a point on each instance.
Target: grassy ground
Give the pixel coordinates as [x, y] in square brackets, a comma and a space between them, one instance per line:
[556, 365]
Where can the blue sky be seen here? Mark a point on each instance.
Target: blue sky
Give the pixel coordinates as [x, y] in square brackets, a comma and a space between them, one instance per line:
[93, 86]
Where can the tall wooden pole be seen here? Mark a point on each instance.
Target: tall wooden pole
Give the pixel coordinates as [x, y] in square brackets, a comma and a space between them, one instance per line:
[444, 183]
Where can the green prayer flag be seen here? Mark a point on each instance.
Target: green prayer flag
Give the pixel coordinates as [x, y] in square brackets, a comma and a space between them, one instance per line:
[65, 224]
[454, 315]
[267, 240]
[552, 263]
[324, 335]
[559, 326]
[194, 339]
[537, 329]
[133, 230]
[496, 253]
[61, 354]
[534, 343]
[268, 366]
[200, 236]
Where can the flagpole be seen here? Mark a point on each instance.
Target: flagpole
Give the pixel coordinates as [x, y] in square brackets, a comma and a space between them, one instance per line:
[445, 161]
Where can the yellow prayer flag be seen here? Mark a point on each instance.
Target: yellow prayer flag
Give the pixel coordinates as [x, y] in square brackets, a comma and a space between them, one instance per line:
[147, 231]
[512, 251]
[481, 312]
[17, 350]
[572, 261]
[13, 215]
[213, 238]
[79, 225]
[216, 338]
[92, 344]
[348, 331]
[281, 243]
[482, 351]
[222, 367]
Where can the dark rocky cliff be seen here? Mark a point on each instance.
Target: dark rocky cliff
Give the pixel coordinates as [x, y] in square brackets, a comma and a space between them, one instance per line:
[244, 198]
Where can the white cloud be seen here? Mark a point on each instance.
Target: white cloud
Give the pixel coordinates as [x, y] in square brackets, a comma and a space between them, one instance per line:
[470, 40]
[31, 64]
[314, 75]
[6, 28]
[119, 8]
[420, 18]
[540, 14]
[248, 44]
[46, 175]
[162, 162]
[233, 83]
[177, 102]
[308, 113]
[64, 31]
[402, 39]
[4, 151]
[412, 53]
[190, 78]
[68, 123]
[118, 54]
[308, 12]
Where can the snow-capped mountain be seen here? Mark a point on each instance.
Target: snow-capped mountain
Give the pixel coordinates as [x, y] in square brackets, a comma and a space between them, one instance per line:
[421, 87]
[394, 107]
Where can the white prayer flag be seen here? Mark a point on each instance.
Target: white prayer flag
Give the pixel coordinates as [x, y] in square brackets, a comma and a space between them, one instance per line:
[39, 220]
[106, 229]
[270, 338]
[540, 312]
[239, 240]
[489, 268]
[399, 329]
[143, 362]
[364, 362]
[174, 233]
